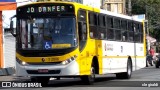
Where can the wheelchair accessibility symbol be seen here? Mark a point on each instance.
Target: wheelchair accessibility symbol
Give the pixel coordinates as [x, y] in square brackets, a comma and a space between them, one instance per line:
[48, 45]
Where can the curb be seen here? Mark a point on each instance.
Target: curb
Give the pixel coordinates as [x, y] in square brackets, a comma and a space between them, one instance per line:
[7, 71]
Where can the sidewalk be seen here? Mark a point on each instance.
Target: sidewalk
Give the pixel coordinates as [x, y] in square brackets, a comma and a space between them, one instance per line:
[13, 78]
[7, 71]
[7, 78]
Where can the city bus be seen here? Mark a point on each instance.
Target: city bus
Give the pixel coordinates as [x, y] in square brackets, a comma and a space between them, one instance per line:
[68, 39]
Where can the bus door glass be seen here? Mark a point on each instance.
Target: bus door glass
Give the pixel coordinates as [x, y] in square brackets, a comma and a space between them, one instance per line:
[82, 29]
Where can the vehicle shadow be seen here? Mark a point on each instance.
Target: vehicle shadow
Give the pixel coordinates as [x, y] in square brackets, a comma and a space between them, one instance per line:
[150, 67]
[71, 82]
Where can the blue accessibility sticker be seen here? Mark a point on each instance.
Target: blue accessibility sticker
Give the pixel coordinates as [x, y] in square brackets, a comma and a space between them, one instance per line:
[47, 45]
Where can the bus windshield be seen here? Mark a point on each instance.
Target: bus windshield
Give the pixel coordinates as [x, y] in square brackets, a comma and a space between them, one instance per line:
[47, 33]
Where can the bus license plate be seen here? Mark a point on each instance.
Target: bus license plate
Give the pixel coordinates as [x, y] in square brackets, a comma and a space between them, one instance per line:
[43, 70]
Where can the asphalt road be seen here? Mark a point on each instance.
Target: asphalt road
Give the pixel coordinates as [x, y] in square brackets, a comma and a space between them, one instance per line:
[143, 79]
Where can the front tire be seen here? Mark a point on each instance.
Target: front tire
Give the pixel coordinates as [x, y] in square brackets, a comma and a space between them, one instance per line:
[89, 79]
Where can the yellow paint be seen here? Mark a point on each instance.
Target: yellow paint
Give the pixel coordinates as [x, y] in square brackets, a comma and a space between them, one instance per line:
[144, 39]
[86, 56]
[61, 45]
[99, 53]
[47, 59]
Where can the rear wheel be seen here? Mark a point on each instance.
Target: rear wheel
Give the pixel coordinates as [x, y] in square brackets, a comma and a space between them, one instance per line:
[89, 79]
[126, 75]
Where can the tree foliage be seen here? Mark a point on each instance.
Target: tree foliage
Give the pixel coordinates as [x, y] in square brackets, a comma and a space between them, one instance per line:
[151, 8]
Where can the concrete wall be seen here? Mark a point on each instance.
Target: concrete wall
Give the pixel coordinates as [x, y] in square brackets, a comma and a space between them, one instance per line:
[117, 6]
[9, 50]
[8, 67]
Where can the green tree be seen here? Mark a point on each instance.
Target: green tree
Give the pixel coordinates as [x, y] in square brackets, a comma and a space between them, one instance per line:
[152, 10]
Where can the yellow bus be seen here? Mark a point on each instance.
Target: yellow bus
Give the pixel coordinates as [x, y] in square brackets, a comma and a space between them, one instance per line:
[68, 39]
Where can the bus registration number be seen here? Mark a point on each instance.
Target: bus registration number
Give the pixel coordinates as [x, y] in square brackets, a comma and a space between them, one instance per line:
[43, 70]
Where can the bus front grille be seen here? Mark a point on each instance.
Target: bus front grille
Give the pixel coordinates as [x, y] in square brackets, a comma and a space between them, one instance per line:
[49, 72]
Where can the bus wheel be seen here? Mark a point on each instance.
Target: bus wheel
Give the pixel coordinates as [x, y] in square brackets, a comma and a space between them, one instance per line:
[43, 80]
[126, 75]
[89, 79]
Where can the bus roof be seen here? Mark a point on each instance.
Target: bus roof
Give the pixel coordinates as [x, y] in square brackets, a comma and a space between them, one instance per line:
[119, 15]
[91, 9]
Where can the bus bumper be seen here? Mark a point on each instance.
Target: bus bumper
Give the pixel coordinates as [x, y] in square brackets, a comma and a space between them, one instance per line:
[71, 69]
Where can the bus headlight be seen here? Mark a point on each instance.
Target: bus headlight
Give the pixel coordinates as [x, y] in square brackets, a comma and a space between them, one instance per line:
[21, 62]
[68, 61]
[24, 63]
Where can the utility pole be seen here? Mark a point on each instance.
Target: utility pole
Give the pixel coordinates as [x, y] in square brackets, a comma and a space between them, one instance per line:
[102, 3]
[129, 8]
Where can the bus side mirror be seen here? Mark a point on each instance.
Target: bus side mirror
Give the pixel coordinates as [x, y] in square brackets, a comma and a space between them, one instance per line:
[11, 27]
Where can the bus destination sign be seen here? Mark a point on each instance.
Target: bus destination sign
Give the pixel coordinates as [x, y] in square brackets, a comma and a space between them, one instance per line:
[46, 9]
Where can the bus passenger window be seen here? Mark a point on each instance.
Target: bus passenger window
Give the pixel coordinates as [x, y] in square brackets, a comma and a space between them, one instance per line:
[91, 34]
[131, 36]
[125, 35]
[102, 35]
[123, 38]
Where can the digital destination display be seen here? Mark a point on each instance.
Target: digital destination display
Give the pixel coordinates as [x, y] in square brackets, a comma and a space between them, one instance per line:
[45, 9]
[42, 9]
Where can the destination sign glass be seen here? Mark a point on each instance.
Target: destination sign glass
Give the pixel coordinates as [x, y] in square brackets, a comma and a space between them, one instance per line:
[33, 9]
